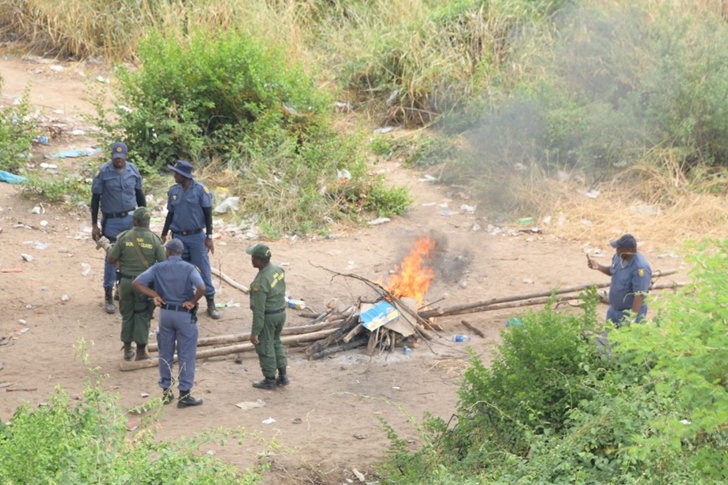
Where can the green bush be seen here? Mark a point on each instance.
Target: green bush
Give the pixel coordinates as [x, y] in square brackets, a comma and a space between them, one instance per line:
[88, 441]
[17, 131]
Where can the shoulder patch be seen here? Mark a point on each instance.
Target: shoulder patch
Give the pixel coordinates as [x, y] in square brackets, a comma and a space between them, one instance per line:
[174, 196]
[255, 286]
[641, 272]
[98, 172]
[207, 191]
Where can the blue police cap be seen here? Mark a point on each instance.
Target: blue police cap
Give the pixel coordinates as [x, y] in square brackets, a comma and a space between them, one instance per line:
[175, 246]
[183, 168]
[119, 150]
[627, 241]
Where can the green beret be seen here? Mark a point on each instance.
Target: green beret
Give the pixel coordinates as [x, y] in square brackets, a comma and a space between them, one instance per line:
[259, 251]
[142, 214]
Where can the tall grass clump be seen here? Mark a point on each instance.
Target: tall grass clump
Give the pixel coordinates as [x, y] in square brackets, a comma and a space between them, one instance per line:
[17, 130]
[237, 103]
[648, 405]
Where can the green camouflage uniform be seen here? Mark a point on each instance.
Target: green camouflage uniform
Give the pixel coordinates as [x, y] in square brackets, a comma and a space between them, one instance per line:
[134, 306]
[267, 298]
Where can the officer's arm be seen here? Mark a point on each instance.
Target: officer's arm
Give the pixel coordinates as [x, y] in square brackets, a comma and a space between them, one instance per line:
[167, 223]
[207, 211]
[141, 283]
[140, 199]
[637, 303]
[95, 199]
[641, 280]
[257, 303]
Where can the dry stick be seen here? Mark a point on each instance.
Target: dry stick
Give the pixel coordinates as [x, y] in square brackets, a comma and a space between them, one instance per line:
[232, 349]
[543, 300]
[353, 333]
[339, 348]
[229, 280]
[373, 337]
[473, 328]
[231, 339]
[454, 310]
[348, 324]
[27, 389]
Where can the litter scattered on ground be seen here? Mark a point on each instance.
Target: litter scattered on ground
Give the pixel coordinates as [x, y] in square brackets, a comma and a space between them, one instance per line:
[65, 298]
[27, 257]
[525, 220]
[528, 281]
[74, 153]
[380, 220]
[11, 178]
[231, 203]
[144, 394]
[21, 331]
[428, 178]
[22, 322]
[388, 129]
[48, 166]
[269, 421]
[470, 209]
[41, 245]
[85, 269]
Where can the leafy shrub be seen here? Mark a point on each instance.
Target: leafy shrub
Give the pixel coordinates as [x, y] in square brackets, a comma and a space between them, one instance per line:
[17, 131]
[70, 188]
[87, 441]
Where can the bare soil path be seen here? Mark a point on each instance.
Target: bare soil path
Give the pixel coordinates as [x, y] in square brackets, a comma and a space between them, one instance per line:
[326, 420]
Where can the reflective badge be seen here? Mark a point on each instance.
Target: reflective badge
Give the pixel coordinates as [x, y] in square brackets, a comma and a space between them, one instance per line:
[207, 191]
[98, 172]
[641, 271]
[255, 286]
[174, 197]
[118, 149]
[198, 269]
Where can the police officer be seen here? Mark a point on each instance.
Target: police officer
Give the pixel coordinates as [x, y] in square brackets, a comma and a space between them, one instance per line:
[631, 276]
[190, 218]
[135, 251]
[174, 280]
[268, 304]
[117, 187]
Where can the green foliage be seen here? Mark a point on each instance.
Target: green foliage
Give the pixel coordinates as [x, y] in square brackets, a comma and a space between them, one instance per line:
[654, 411]
[17, 131]
[70, 188]
[87, 441]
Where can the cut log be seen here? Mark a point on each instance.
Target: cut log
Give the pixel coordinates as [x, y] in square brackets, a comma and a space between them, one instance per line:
[473, 328]
[353, 333]
[479, 305]
[373, 339]
[231, 339]
[334, 337]
[231, 349]
[229, 280]
[339, 348]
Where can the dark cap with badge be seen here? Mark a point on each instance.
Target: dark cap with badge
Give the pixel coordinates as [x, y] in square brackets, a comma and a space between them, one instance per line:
[175, 246]
[259, 251]
[627, 241]
[183, 168]
[142, 214]
[119, 150]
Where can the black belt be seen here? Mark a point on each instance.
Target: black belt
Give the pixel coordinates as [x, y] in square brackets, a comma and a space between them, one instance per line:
[115, 215]
[188, 233]
[126, 276]
[174, 308]
[273, 312]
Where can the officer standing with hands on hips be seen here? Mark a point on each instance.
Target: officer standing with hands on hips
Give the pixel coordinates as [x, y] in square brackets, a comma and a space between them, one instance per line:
[190, 219]
[268, 304]
[631, 278]
[135, 251]
[178, 287]
[117, 188]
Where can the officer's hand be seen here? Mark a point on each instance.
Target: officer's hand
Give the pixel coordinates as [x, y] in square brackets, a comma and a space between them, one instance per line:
[254, 340]
[164, 238]
[95, 233]
[210, 246]
[188, 305]
[158, 301]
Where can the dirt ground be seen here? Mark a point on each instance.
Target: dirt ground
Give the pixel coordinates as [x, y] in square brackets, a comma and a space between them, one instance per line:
[326, 420]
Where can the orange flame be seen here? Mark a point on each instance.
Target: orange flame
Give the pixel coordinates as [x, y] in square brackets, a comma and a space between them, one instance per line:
[413, 279]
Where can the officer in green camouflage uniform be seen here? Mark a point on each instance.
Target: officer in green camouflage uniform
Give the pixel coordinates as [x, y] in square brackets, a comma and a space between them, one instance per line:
[136, 250]
[268, 303]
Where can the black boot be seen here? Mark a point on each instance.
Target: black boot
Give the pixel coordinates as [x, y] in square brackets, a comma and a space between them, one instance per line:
[186, 400]
[211, 310]
[110, 307]
[167, 396]
[128, 351]
[141, 353]
[283, 379]
[267, 383]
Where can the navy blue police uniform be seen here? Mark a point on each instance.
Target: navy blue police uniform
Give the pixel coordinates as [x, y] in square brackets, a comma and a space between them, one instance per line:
[175, 280]
[629, 278]
[118, 191]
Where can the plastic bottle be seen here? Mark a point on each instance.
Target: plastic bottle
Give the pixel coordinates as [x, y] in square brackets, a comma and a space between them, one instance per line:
[461, 338]
[407, 350]
[297, 304]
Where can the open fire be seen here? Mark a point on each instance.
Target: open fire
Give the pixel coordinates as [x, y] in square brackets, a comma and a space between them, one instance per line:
[413, 278]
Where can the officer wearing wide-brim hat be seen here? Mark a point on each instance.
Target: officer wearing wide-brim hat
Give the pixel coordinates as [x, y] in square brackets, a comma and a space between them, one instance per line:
[631, 279]
[268, 304]
[178, 287]
[190, 219]
[135, 251]
[117, 189]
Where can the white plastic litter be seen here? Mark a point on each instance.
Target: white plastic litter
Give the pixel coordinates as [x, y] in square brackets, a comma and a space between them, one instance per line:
[269, 421]
[231, 203]
[86, 268]
[379, 220]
